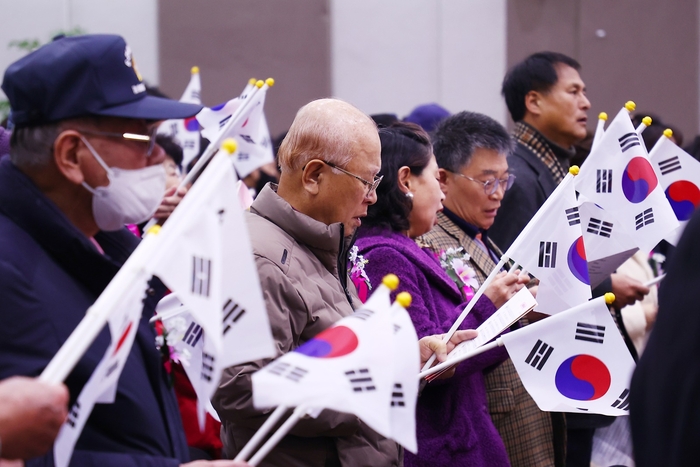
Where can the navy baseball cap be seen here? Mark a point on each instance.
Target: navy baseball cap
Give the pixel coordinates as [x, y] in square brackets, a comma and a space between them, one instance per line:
[81, 76]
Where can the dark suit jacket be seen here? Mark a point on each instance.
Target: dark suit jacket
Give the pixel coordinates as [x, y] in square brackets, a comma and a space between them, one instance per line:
[49, 275]
[533, 185]
[664, 408]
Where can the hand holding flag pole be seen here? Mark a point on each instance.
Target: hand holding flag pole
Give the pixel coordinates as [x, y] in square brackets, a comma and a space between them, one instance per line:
[573, 171]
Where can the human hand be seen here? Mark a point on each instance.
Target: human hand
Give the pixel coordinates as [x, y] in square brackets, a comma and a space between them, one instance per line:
[31, 414]
[504, 286]
[627, 290]
[171, 200]
[430, 345]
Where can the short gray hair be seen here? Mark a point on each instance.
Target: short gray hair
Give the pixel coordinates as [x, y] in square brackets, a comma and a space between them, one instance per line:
[32, 147]
[458, 136]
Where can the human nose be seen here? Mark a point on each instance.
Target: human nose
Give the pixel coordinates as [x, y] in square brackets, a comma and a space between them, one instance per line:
[585, 103]
[371, 197]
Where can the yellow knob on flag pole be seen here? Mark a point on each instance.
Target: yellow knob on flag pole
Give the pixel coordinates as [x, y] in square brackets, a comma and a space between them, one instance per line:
[391, 281]
[647, 120]
[259, 83]
[603, 116]
[404, 299]
[194, 70]
[229, 145]
[630, 106]
[574, 170]
[609, 298]
[153, 230]
[270, 82]
[668, 133]
[252, 81]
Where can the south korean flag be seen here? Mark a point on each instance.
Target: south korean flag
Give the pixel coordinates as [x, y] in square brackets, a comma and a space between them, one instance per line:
[575, 361]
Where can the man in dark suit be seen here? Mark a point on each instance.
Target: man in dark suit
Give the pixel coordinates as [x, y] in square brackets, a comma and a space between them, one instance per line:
[83, 162]
[471, 151]
[546, 98]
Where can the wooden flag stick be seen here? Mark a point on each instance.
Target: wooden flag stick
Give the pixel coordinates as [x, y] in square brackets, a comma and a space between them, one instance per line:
[261, 433]
[278, 435]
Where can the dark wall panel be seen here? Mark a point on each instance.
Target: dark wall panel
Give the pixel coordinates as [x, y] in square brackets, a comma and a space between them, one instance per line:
[629, 49]
[234, 40]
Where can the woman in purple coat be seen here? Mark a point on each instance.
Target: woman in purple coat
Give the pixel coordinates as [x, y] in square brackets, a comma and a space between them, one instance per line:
[453, 423]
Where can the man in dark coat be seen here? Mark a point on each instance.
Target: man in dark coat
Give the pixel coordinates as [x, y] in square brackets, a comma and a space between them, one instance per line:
[546, 98]
[83, 162]
[664, 409]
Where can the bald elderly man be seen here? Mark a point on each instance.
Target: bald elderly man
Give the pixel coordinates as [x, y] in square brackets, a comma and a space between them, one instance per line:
[301, 231]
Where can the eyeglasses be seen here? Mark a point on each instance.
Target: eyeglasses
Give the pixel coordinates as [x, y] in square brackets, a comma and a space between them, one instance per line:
[490, 186]
[150, 139]
[371, 186]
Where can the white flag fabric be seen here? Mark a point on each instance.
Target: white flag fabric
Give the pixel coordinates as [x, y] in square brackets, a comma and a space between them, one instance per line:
[185, 132]
[551, 248]
[346, 368]
[618, 176]
[404, 394]
[575, 361]
[608, 245]
[251, 131]
[208, 263]
[679, 175]
[102, 386]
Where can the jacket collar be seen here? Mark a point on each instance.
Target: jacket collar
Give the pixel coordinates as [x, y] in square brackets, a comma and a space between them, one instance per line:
[555, 158]
[24, 204]
[327, 242]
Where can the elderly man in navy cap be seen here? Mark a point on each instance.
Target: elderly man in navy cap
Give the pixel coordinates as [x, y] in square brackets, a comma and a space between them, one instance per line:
[83, 162]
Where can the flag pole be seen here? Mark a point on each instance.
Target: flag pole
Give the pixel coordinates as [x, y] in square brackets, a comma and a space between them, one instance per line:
[646, 121]
[655, 280]
[261, 433]
[599, 130]
[278, 435]
[223, 134]
[97, 315]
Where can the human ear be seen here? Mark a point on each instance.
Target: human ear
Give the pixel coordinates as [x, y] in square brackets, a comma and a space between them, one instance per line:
[67, 152]
[313, 173]
[532, 102]
[442, 178]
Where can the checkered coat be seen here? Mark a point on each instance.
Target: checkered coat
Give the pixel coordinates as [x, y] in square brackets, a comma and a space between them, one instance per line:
[526, 431]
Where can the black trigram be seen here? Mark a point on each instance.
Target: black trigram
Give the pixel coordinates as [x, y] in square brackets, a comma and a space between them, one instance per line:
[285, 370]
[582, 409]
[363, 314]
[573, 216]
[243, 156]
[207, 366]
[173, 129]
[599, 227]
[623, 402]
[644, 218]
[397, 328]
[232, 313]
[548, 255]
[397, 398]
[195, 94]
[539, 354]
[247, 139]
[223, 121]
[603, 181]
[266, 142]
[669, 165]
[193, 334]
[74, 414]
[360, 380]
[590, 333]
[201, 272]
[629, 141]
[111, 369]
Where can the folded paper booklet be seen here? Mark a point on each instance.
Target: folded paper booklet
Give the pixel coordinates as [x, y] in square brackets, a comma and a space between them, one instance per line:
[522, 303]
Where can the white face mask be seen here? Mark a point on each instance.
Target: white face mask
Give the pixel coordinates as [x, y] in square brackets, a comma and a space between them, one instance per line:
[131, 197]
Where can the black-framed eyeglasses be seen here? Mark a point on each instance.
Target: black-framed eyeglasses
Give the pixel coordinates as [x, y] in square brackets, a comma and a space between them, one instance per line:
[490, 186]
[148, 139]
[371, 186]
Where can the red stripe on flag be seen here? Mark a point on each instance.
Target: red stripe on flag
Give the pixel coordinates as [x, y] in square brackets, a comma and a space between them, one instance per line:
[123, 337]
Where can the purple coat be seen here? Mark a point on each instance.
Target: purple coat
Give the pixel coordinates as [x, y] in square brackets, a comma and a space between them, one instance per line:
[452, 419]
